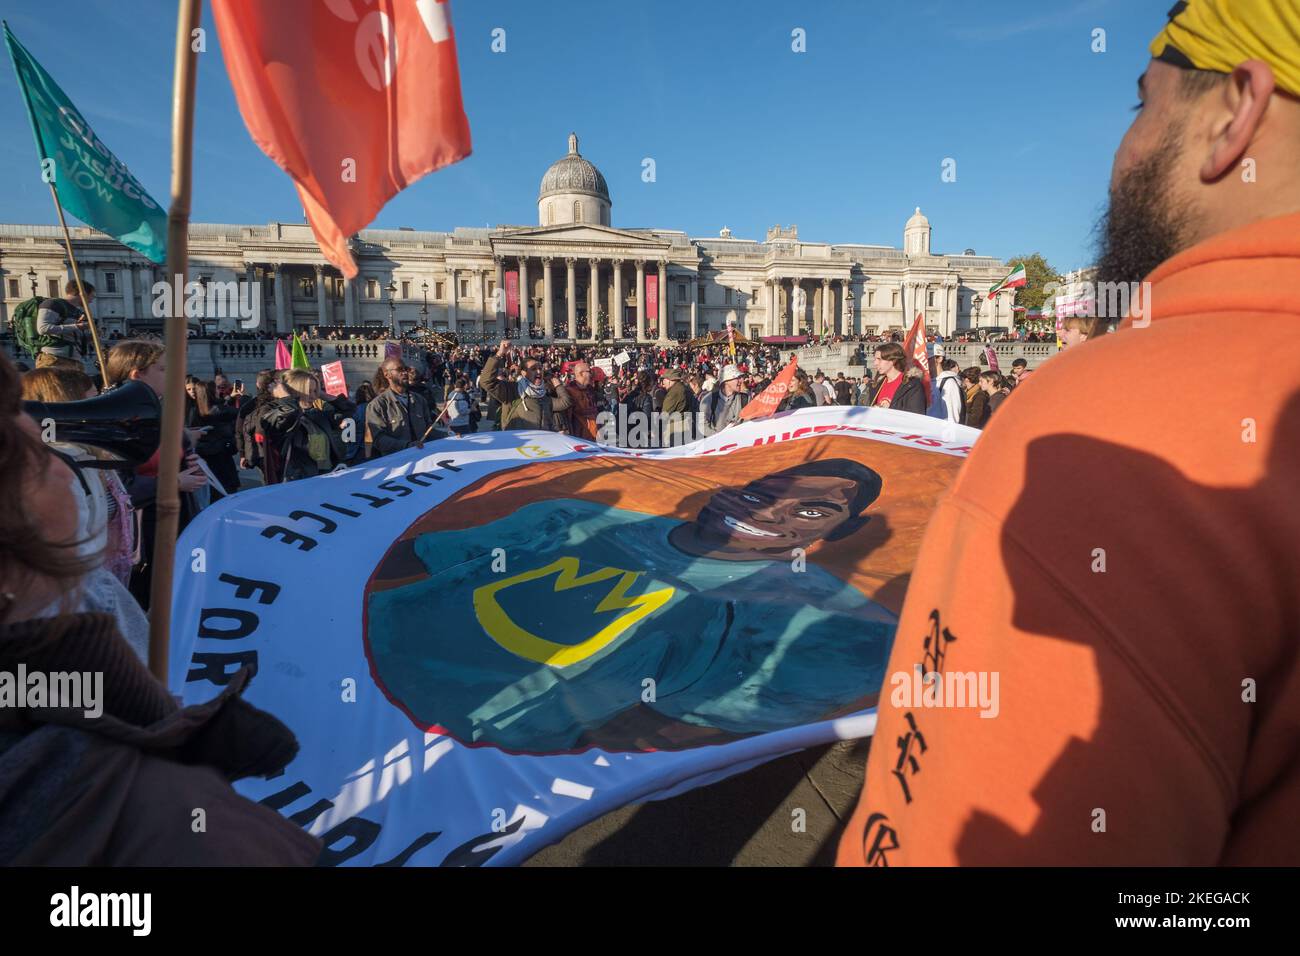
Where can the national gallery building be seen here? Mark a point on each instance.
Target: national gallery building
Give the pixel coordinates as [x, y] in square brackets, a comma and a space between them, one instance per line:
[573, 276]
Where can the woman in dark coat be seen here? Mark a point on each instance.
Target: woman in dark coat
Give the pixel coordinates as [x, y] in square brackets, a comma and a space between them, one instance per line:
[306, 434]
[216, 446]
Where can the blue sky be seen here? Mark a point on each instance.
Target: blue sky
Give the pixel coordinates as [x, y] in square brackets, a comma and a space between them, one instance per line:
[842, 140]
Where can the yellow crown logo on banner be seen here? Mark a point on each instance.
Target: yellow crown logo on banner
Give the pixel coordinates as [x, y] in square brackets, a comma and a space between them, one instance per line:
[515, 639]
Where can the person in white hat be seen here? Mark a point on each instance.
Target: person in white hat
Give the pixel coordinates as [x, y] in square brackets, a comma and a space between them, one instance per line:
[721, 407]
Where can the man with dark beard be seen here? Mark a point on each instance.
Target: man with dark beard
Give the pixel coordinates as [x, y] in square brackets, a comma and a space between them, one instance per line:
[1125, 571]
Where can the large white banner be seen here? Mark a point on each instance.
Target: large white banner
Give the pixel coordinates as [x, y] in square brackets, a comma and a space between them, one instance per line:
[487, 642]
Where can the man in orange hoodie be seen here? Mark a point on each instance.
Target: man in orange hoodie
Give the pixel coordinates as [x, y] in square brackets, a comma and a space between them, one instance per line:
[1097, 660]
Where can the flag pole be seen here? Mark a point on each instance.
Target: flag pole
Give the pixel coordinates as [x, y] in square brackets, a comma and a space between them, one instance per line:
[173, 400]
[81, 290]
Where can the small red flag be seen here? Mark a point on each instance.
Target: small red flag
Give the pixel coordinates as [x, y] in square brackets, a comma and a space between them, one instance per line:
[767, 401]
[354, 100]
[914, 348]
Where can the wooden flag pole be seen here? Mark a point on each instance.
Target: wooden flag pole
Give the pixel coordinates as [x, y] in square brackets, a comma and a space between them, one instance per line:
[173, 400]
[81, 290]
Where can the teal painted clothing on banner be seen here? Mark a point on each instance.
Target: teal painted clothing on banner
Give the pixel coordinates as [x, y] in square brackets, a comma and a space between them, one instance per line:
[592, 603]
[92, 183]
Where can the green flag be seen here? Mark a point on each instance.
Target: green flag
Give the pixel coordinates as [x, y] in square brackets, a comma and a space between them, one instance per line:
[299, 356]
[92, 183]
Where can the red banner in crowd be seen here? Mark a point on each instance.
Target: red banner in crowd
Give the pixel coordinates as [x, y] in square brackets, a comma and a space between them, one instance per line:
[512, 295]
[767, 401]
[355, 101]
[335, 383]
[652, 302]
[914, 349]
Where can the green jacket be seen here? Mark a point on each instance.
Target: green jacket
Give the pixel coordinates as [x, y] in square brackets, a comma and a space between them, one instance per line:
[519, 412]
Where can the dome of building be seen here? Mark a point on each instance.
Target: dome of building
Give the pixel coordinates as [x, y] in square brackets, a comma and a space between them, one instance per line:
[573, 190]
[573, 174]
[916, 235]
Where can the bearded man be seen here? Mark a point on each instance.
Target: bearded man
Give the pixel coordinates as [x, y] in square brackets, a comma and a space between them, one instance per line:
[1128, 569]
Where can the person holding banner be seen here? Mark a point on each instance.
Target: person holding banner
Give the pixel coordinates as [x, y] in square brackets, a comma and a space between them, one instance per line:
[114, 783]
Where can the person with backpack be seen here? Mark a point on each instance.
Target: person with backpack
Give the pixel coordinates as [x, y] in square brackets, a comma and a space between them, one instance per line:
[302, 426]
[459, 406]
[950, 403]
[48, 329]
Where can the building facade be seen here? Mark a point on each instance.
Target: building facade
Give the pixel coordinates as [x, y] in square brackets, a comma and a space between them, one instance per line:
[571, 277]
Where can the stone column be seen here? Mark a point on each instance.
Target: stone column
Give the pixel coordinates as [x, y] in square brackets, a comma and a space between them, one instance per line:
[548, 301]
[663, 301]
[321, 319]
[828, 308]
[846, 317]
[525, 296]
[593, 297]
[499, 305]
[482, 301]
[281, 320]
[617, 312]
[349, 299]
[146, 292]
[946, 327]
[453, 302]
[128, 293]
[695, 316]
[572, 291]
[773, 301]
[640, 300]
[796, 314]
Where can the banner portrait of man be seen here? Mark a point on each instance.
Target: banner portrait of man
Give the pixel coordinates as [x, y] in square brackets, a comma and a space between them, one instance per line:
[637, 605]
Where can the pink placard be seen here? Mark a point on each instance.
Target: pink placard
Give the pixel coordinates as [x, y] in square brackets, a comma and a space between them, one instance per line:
[335, 383]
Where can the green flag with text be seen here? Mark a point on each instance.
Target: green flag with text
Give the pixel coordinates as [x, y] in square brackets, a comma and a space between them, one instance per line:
[92, 183]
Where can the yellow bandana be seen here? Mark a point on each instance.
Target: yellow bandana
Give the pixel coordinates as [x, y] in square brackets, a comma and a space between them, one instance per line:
[1219, 35]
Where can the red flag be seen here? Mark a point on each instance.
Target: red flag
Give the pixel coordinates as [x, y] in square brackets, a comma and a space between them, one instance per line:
[767, 401]
[914, 348]
[354, 100]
